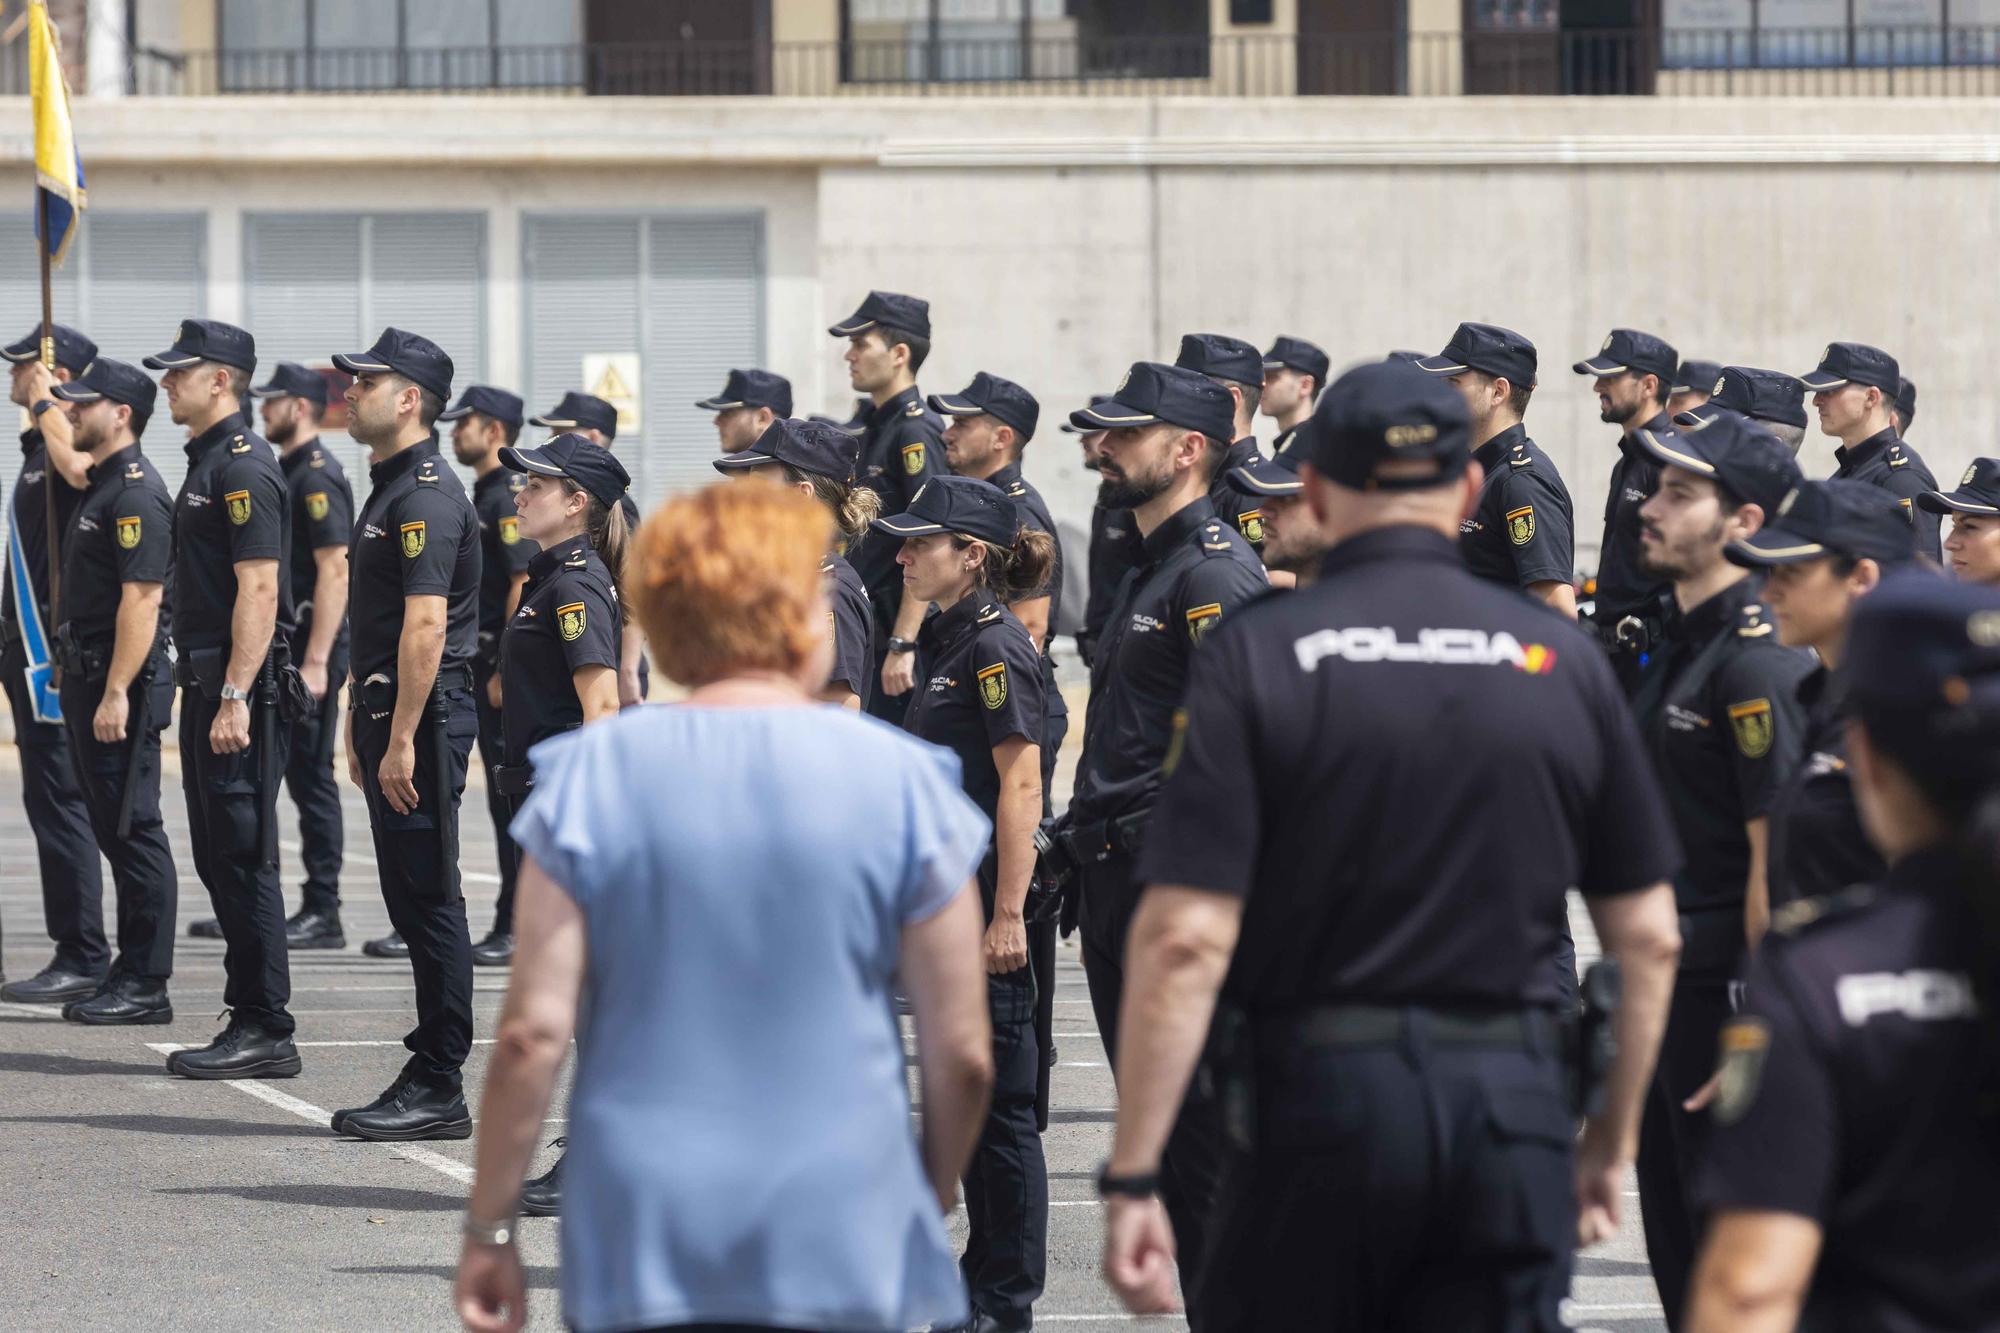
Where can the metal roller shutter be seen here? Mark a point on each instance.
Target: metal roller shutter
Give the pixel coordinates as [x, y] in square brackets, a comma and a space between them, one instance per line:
[582, 297]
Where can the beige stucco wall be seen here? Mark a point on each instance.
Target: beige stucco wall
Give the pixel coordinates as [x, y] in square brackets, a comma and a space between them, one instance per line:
[1060, 239]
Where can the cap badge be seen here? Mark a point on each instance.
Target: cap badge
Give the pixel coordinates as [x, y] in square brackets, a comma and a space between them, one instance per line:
[920, 492]
[1719, 382]
[1983, 629]
[1402, 437]
[1608, 339]
[1124, 380]
[1826, 354]
[1966, 480]
[1785, 505]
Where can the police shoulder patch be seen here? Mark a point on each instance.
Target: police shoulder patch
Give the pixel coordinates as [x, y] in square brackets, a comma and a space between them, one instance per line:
[1746, 1042]
[510, 529]
[1201, 620]
[1521, 525]
[316, 507]
[1752, 722]
[413, 539]
[913, 458]
[239, 507]
[1251, 524]
[993, 685]
[569, 621]
[128, 532]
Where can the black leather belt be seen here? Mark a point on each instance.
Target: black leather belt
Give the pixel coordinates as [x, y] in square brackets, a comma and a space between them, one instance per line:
[1381, 1025]
[1122, 836]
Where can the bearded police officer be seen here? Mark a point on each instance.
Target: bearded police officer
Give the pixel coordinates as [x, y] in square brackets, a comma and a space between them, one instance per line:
[51, 481]
[293, 403]
[1771, 398]
[1718, 706]
[1400, 1116]
[1293, 543]
[1165, 439]
[486, 420]
[902, 447]
[1294, 373]
[1854, 391]
[232, 621]
[117, 687]
[749, 402]
[412, 720]
[1239, 368]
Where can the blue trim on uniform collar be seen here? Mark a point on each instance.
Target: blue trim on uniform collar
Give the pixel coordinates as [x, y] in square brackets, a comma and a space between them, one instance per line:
[549, 558]
[1405, 541]
[395, 465]
[1867, 449]
[214, 435]
[894, 407]
[1487, 454]
[113, 465]
[1179, 526]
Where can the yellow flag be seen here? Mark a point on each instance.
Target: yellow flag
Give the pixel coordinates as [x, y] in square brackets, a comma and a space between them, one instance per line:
[58, 169]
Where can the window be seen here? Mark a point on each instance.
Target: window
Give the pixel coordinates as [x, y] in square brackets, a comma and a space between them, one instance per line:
[1718, 34]
[970, 41]
[661, 306]
[338, 45]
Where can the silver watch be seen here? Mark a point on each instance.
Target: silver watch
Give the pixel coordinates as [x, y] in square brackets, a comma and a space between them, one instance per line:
[489, 1233]
[231, 692]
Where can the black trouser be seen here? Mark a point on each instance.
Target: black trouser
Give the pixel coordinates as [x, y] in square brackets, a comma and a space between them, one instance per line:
[1410, 1185]
[142, 865]
[1055, 726]
[1671, 1139]
[418, 861]
[1007, 1182]
[309, 777]
[228, 799]
[882, 704]
[492, 754]
[1190, 1167]
[72, 879]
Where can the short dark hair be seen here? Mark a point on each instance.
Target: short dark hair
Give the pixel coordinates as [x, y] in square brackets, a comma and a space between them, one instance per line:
[920, 348]
[239, 381]
[1213, 457]
[315, 411]
[1727, 500]
[1518, 396]
[140, 416]
[429, 405]
[510, 431]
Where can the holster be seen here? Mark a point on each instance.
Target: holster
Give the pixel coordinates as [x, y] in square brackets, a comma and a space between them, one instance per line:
[1591, 1041]
[513, 779]
[1233, 1050]
[1054, 888]
[76, 659]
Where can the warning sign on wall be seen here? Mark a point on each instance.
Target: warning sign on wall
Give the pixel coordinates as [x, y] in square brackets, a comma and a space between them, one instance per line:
[614, 377]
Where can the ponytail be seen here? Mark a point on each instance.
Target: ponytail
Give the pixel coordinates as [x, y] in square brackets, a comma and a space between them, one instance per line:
[853, 507]
[611, 536]
[1018, 572]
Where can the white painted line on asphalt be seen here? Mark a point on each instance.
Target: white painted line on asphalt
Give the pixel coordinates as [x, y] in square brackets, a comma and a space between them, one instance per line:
[1079, 1064]
[33, 1010]
[1641, 1308]
[305, 1110]
[476, 1041]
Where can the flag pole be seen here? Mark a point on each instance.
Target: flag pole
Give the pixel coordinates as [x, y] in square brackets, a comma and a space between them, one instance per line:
[49, 478]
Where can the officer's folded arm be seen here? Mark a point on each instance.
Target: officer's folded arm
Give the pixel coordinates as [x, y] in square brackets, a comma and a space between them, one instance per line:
[1755, 1269]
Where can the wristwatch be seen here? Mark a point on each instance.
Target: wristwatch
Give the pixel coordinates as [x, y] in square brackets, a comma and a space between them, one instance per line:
[489, 1233]
[41, 405]
[231, 692]
[1126, 1187]
[897, 645]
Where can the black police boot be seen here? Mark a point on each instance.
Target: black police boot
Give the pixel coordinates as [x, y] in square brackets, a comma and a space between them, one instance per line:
[54, 984]
[415, 1112]
[241, 1050]
[389, 946]
[382, 1099]
[311, 928]
[542, 1196]
[210, 929]
[496, 950]
[124, 1001]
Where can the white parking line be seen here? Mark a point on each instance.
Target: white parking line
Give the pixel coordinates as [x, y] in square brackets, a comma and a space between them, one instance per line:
[33, 1010]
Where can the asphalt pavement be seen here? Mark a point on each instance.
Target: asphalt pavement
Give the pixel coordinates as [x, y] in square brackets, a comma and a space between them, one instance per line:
[139, 1201]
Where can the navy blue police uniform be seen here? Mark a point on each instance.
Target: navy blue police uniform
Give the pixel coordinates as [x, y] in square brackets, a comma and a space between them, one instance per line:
[1193, 573]
[1859, 1083]
[902, 447]
[1221, 357]
[233, 507]
[322, 509]
[1399, 1145]
[122, 534]
[583, 411]
[1718, 707]
[66, 855]
[1114, 549]
[979, 684]
[1289, 353]
[1882, 459]
[503, 557]
[417, 536]
[1816, 843]
[817, 448]
[1521, 530]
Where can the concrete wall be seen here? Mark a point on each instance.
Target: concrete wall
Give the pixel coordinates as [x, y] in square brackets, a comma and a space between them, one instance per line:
[1058, 240]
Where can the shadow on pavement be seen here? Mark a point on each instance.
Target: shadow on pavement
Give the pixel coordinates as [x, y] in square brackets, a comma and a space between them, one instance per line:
[373, 1198]
[539, 1277]
[178, 1125]
[28, 1062]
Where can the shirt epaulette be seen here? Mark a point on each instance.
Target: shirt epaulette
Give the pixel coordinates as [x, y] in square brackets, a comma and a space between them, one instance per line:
[1017, 490]
[577, 560]
[1895, 456]
[238, 445]
[316, 459]
[134, 473]
[1792, 918]
[1754, 625]
[1519, 458]
[914, 410]
[427, 471]
[988, 616]
[1214, 539]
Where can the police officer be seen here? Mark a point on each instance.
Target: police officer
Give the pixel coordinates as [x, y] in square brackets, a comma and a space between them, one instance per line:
[1294, 373]
[51, 481]
[749, 402]
[1519, 533]
[412, 718]
[1718, 706]
[486, 420]
[232, 622]
[1114, 542]
[968, 548]
[117, 690]
[1238, 367]
[1854, 392]
[1400, 1116]
[1904, 410]
[1771, 398]
[1694, 383]
[1972, 551]
[820, 460]
[1293, 543]
[1633, 372]
[597, 421]
[888, 339]
[293, 403]
[1165, 435]
[1851, 1175]
[1830, 543]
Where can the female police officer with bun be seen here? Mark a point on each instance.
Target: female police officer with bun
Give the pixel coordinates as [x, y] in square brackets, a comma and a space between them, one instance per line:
[1856, 1149]
[979, 694]
[559, 652]
[820, 459]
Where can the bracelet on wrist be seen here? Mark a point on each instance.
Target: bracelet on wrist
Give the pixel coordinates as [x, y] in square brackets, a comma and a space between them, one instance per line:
[489, 1233]
[897, 645]
[1111, 1186]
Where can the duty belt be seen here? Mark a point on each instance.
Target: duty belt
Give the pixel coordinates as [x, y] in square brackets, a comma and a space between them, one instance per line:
[79, 660]
[1633, 633]
[1123, 836]
[513, 779]
[1382, 1025]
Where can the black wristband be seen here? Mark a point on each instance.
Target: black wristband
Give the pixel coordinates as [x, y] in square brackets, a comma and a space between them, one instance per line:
[897, 645]
[41, 405]
[1126, 1187]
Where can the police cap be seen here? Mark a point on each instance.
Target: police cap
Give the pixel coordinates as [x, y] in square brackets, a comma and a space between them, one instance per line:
[200, 340]
[1151, 392]
[1630, 350]
[1278, 475]
[1923, 670]
[1488, 349]
[1854, 363]
[1763, 395]
[1070, 427]
[411, 355]
[820, 448]
[1733, 451]
[74, 352]
[580, 411]
[752, 388]
[965, 505]
[1221, 356]
[1845, 518]
[1383, 412]
[1696, 376]
[487, 401]
[989, 395]
[576, 457]
[909, 314]
[116, 380]
[1289, 353]
[289, 379]
[1978, 491]
[1906, 400]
